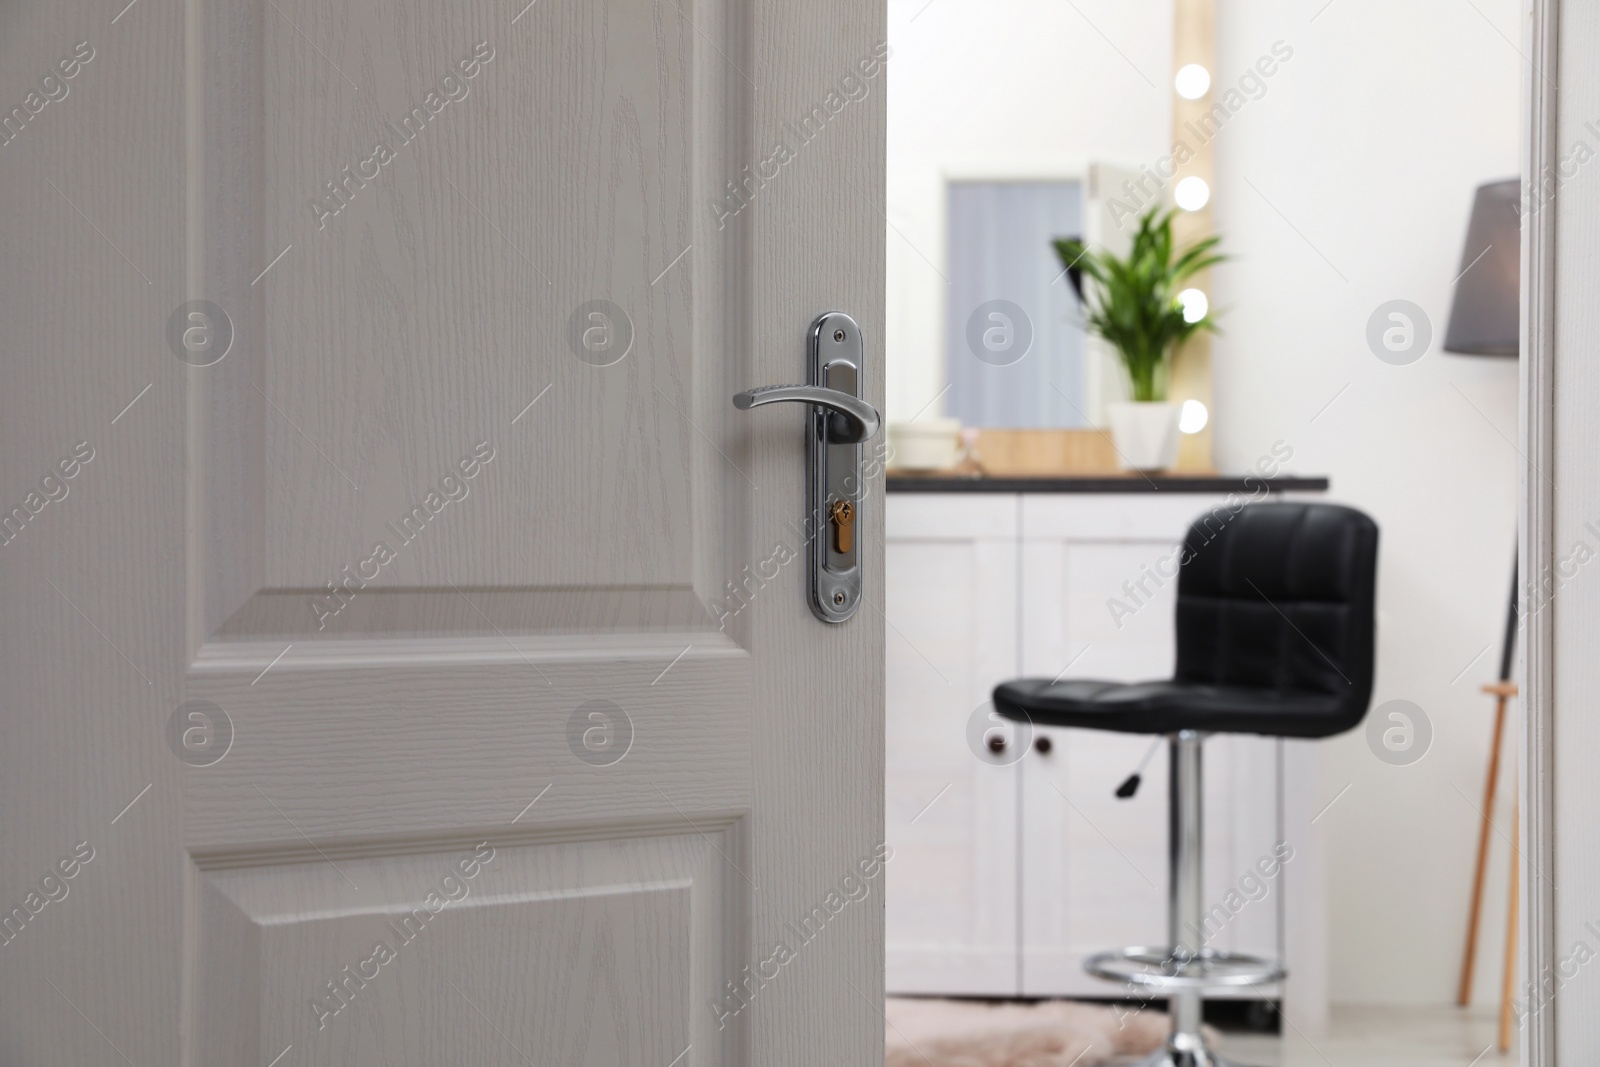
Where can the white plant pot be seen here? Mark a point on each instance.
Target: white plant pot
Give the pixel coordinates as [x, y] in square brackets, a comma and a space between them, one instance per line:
[1145, 434]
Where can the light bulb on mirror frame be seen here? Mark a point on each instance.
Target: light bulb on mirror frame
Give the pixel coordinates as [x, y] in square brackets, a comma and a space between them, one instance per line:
[1195, 305]
[1192, 81]
[1193, 416]
[1192, 193]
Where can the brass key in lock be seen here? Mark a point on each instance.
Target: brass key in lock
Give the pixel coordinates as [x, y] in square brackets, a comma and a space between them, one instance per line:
[843, 514]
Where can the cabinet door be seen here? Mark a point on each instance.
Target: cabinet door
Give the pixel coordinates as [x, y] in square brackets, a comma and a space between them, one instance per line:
[1095, 604]
[951, 614]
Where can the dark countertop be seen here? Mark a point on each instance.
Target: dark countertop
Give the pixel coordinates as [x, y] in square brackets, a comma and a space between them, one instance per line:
[1108, 483]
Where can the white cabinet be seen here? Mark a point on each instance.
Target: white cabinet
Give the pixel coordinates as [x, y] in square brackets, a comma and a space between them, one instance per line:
[951, 606]
[1009, 868]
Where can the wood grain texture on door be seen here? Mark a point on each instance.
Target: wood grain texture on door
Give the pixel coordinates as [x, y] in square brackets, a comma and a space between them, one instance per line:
[407, 648]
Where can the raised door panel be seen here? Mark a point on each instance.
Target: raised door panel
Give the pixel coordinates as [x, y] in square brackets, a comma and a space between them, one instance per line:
[952, 803]
[580, 953]
[470, 368]
[404, 739]
[540, 186]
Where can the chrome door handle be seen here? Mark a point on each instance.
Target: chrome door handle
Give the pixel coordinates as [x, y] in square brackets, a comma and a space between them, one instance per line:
[840, 420]
[858, 420]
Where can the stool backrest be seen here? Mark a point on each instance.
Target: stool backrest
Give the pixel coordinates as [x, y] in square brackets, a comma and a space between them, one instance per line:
[1280, 597]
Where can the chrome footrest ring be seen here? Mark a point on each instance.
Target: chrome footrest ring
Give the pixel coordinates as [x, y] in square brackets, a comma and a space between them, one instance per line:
[1154, 967]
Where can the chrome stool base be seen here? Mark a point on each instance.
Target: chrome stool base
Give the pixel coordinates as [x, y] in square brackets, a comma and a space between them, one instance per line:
[1158, 970]
[1195, 1057]
[1183, 969]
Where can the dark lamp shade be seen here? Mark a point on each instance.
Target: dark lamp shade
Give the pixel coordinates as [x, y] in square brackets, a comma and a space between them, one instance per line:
[1483, 314]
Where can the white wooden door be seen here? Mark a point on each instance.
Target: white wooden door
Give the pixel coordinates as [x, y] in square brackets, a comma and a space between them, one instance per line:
[406, 653]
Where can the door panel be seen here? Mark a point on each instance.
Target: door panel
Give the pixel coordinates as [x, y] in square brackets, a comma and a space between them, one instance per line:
[535, 938]
[419, 322]
[1093, 865]
[442, 534]
[378, 434]
[952, 819]
[1093, 868]
[405, 738]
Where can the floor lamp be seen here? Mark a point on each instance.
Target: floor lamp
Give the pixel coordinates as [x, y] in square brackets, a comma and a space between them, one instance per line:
[1484, 322]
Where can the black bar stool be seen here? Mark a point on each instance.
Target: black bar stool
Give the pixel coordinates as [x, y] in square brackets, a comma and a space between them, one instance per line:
[1274, 637]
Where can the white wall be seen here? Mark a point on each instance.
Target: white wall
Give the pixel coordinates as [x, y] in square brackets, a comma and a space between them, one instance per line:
[1016, 86]
[1347, 185]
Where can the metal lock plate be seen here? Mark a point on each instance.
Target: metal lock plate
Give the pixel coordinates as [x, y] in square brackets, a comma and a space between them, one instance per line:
[839, 422]
[835, 469]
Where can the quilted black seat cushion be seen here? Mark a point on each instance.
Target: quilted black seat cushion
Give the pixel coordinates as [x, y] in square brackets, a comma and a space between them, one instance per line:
[1162, 707]
[1274, 634]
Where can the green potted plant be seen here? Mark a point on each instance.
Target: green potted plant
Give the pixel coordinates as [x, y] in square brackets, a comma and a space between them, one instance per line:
[1133, 303]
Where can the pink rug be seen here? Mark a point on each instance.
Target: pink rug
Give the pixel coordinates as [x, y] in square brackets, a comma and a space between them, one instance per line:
[1052, 1033]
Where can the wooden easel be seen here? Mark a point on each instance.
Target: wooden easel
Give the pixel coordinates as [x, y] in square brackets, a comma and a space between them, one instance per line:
[1502, 691]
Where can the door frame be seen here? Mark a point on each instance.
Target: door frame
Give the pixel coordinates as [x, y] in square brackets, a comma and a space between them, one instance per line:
[1536, 523]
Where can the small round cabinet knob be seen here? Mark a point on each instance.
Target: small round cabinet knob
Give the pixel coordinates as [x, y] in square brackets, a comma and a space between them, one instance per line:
[1041, 745]
[996, 743]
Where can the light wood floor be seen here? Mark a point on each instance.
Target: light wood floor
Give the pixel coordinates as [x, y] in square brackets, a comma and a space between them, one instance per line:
[1374, 1036]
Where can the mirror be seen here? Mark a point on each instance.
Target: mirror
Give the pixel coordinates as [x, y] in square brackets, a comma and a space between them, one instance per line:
[983, 325]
